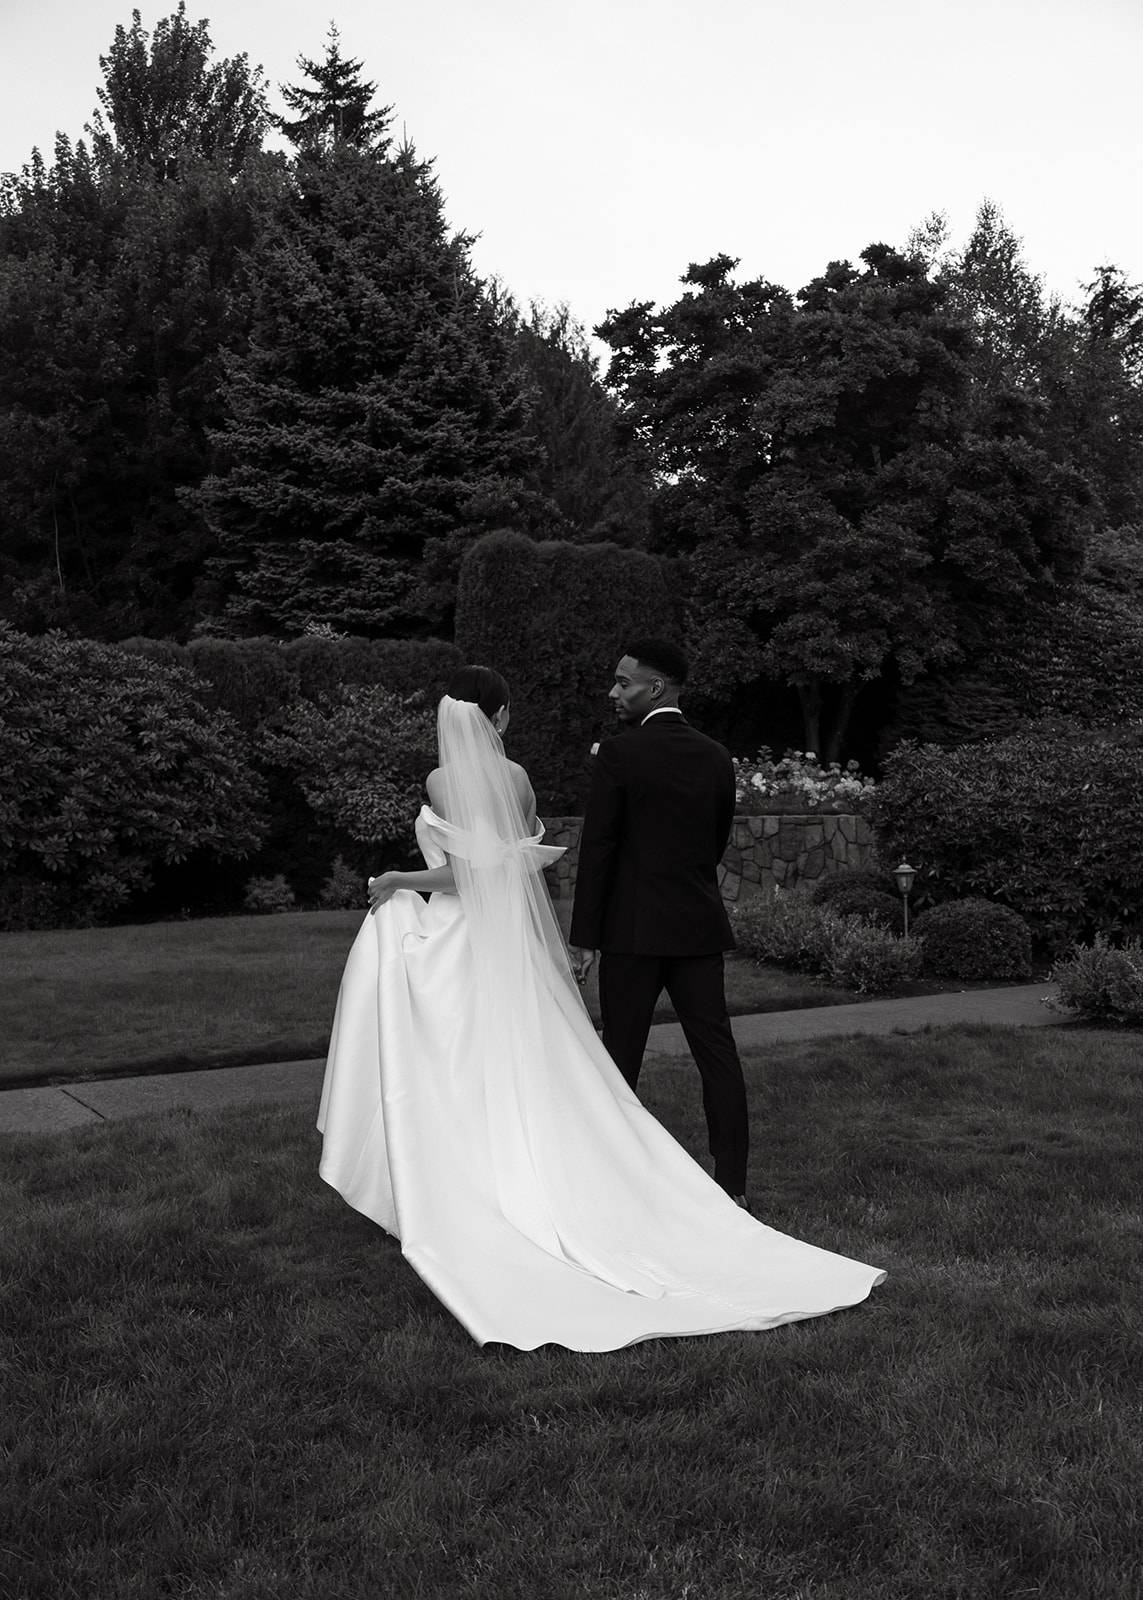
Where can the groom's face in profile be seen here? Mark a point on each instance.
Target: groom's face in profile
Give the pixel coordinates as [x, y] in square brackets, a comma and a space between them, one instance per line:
[636, 690]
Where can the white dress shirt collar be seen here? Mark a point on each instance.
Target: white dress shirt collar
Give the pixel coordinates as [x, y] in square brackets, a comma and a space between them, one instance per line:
[662, 711]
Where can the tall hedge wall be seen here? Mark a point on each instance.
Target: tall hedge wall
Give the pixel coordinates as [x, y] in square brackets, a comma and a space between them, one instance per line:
[554, 618]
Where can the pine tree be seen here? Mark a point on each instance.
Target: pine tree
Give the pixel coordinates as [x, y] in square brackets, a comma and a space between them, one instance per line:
[336, 110]
[376, 416]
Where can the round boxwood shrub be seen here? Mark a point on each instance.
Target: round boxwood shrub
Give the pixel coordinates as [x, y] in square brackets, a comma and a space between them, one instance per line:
[828, 889]
[860, 900]
[974, 939]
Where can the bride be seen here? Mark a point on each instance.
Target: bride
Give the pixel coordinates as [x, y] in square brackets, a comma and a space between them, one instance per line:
[470, 1110]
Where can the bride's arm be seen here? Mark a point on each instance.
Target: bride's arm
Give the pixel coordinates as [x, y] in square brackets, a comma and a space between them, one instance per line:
[433, 880]
[526, 795]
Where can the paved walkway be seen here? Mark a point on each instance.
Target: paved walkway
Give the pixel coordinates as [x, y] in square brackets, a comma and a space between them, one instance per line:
[78, 1105]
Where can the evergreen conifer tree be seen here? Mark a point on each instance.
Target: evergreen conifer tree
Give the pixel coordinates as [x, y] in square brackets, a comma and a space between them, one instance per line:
[122, 276]
[376, 416]
[336, 109]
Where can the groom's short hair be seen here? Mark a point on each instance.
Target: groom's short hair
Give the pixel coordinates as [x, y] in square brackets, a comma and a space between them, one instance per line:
[661, 656]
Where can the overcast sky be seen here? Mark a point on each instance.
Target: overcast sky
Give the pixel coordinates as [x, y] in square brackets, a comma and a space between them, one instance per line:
[598, 146]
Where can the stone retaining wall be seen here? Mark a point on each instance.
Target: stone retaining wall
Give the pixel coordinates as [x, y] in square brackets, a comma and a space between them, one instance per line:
[764, 852]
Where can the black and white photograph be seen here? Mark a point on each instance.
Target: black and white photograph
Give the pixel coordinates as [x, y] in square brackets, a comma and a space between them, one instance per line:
[571, 742]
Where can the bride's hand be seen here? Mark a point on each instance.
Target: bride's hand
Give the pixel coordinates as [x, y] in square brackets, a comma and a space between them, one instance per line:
[383, 888]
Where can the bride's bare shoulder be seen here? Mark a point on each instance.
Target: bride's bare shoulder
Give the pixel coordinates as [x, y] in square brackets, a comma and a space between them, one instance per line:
[434, 787]
[520, 777]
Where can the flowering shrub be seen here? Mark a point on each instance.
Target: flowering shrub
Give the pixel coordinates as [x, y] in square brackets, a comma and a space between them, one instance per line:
[1100, 983]
[801, 782]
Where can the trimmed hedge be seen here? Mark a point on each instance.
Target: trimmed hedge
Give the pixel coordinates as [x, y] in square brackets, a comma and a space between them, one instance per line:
[974, 939]
[554, 618]
[1040, 820]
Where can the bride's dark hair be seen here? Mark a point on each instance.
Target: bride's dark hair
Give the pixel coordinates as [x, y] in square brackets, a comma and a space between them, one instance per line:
[484, 685]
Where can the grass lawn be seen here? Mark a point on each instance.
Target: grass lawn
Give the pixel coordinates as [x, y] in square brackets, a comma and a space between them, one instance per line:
[216, 991]
[225, 1385]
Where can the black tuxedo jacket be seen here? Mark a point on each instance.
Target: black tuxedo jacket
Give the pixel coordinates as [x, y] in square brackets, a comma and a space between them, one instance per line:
[658, 820]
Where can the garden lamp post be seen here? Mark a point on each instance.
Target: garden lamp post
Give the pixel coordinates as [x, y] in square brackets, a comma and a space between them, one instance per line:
[904, 875]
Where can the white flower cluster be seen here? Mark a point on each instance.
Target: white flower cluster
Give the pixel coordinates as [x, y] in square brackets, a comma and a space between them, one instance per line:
[801, 776]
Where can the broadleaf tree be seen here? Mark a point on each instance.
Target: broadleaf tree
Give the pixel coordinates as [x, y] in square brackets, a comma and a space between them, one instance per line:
[121, 280]
[164, 100]
[845, 514]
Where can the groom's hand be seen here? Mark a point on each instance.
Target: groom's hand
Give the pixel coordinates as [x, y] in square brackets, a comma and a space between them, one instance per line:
[582, 962]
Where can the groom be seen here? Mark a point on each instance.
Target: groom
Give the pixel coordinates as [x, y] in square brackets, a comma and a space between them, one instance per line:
[658, 820]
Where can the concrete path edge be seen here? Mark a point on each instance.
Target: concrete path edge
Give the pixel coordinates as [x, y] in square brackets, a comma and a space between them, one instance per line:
[61, 1107]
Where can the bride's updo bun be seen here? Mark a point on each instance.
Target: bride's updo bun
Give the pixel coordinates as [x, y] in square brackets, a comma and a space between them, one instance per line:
[486, 687]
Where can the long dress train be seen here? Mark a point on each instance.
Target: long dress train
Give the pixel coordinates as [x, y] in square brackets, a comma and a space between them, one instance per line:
[528, 1186]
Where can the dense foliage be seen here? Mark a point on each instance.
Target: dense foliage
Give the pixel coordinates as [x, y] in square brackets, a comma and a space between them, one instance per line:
[112, 766]
[555, 618]
[242, 391]
[1077, 657]
[255, 680]
[119, 296]
[595, 486]
[974, 939]
[327, 725]
[850, 505]
[1038, 820]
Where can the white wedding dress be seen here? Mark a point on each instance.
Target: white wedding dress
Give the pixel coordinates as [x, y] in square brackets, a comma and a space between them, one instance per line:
[494, 1137]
